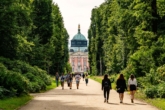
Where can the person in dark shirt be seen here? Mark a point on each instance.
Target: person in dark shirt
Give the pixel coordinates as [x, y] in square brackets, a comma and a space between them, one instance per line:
[121, 87]
[83, 75]
[70, 80]
[106, 86]
[57, 78]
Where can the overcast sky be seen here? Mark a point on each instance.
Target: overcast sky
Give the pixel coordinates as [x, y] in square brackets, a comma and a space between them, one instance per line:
[76, 12]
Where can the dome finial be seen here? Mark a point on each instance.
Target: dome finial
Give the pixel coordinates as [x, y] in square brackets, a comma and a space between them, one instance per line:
[78, 26]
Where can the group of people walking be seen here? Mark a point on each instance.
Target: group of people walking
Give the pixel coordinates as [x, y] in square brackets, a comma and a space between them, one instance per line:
[69, 79]
[120, 87]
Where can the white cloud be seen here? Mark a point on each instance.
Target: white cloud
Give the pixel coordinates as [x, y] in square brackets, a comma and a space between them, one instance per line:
[76, 12]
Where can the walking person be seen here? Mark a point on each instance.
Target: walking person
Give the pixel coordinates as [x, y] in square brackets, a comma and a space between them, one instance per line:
[132, 84]
[57, 78]
[62, 80]
[106, 86]
[83, 75]
[77, 78]
[86, 79]
[67, 79]
[70, 80]
[121, 87]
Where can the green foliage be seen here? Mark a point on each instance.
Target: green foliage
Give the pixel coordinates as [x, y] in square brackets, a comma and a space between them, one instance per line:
[18, 78]
[128, 37]
[12, 82]
[157, 91]
[4, 92]
[33, 42]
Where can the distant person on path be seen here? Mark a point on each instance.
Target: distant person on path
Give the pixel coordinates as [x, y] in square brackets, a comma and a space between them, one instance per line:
[62, 79]
[106, 86]
[83, 75]
[77, 78]
[70, 80]
[86, 78]
[121, 87]
[67, 79]
[57, 78]
[132, 84]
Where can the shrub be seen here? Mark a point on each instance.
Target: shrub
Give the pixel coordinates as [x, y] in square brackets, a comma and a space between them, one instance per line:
[155, 91]
[161, 90]
[151, 92]
[17, 77]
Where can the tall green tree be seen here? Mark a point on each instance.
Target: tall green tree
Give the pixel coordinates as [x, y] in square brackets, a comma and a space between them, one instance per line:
[14, 22]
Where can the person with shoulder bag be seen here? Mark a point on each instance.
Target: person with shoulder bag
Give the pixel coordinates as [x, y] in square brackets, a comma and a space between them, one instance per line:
[132, 84]
[121, 87]
[106, 86]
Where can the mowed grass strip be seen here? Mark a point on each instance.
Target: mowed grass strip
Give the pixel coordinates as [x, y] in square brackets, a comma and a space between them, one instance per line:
[14, 103]
[157, 102]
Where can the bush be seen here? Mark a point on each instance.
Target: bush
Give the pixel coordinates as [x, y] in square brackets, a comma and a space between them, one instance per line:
[156, 91]
[161, 90]
[151, 92]
[17, 77]
[3, 92]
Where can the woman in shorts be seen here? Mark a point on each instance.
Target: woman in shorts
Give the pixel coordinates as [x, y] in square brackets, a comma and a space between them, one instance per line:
[132, 84]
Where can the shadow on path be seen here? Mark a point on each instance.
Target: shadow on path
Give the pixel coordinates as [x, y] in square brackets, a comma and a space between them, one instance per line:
[140, 103]
[113, 103]
[55, 105]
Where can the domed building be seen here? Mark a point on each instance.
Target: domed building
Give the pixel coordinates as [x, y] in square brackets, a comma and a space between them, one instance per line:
[78, 54]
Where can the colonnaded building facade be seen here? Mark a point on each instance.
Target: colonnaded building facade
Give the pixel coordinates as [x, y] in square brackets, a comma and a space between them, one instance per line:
[78, 54]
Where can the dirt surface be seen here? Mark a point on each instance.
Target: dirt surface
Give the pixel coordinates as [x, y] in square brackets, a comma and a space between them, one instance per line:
[88, 97]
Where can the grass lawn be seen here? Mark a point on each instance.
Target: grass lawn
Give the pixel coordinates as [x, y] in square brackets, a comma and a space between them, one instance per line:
[15, 102]
[157, 102]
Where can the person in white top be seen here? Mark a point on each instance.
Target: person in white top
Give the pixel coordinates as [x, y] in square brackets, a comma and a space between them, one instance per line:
[77, 78]
[132, 84]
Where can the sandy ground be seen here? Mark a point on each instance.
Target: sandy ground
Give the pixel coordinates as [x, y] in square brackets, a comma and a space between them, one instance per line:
[88, 97]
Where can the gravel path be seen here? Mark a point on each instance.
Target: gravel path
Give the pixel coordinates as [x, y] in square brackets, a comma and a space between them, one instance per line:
[85, 98]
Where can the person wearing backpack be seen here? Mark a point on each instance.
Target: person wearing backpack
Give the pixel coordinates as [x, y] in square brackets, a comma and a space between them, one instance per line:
[106, 86]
